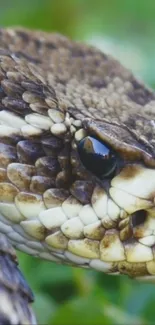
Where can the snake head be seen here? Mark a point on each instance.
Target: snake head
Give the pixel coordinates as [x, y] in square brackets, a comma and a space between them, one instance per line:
[77, 158]
[130, 188]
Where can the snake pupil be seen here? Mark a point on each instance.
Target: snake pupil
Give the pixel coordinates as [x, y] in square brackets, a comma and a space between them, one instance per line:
[97, 157]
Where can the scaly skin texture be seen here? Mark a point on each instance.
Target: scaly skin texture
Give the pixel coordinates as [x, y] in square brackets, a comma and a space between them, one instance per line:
[53, 93]
[15, 295]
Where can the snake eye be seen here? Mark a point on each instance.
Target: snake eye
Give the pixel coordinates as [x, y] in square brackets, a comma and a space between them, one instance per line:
[97, 157]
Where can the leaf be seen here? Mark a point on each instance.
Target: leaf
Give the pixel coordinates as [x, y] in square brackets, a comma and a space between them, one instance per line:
[80, 311]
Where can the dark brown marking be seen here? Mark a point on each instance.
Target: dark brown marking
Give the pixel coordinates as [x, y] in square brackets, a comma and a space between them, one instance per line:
[130, 171]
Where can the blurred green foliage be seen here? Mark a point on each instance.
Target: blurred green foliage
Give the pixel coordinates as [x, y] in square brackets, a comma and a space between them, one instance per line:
[66, 295]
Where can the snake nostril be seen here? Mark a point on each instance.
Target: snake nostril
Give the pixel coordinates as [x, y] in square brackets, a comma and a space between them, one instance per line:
[138, 218]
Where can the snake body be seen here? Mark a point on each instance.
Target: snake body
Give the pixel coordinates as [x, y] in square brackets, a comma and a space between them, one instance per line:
[53, 93]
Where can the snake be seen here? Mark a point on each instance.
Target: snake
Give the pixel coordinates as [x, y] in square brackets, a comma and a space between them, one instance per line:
[77, 158]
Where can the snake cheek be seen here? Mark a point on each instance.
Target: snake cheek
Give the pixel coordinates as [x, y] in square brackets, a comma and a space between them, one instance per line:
[129, 202]
[136, 180]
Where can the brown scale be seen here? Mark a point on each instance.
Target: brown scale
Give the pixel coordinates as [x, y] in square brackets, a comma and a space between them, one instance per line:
[20, 175]
[126, 233]
[10, 139]
[8, 192]
[39, 108]
[51, 144]
[55, 197]
[132, 269]
[64, 179]
[32, 98]
[7, 155]
[3, 175]
[11, 89]
[32, 87]
[6, 61]
[97, 233]
[82, 191]
[15, 76]
[48, 166]
[16, 105]
[29, 151]
[49, 92]
[39, 184]
[20, 55]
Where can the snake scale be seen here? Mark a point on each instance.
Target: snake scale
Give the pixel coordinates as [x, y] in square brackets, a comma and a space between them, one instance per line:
[77, 160]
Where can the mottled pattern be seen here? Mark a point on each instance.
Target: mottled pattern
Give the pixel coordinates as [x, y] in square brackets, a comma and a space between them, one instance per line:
[15, 295]
[54, 92]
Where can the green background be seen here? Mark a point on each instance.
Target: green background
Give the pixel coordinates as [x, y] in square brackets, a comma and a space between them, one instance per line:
[126, 29]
